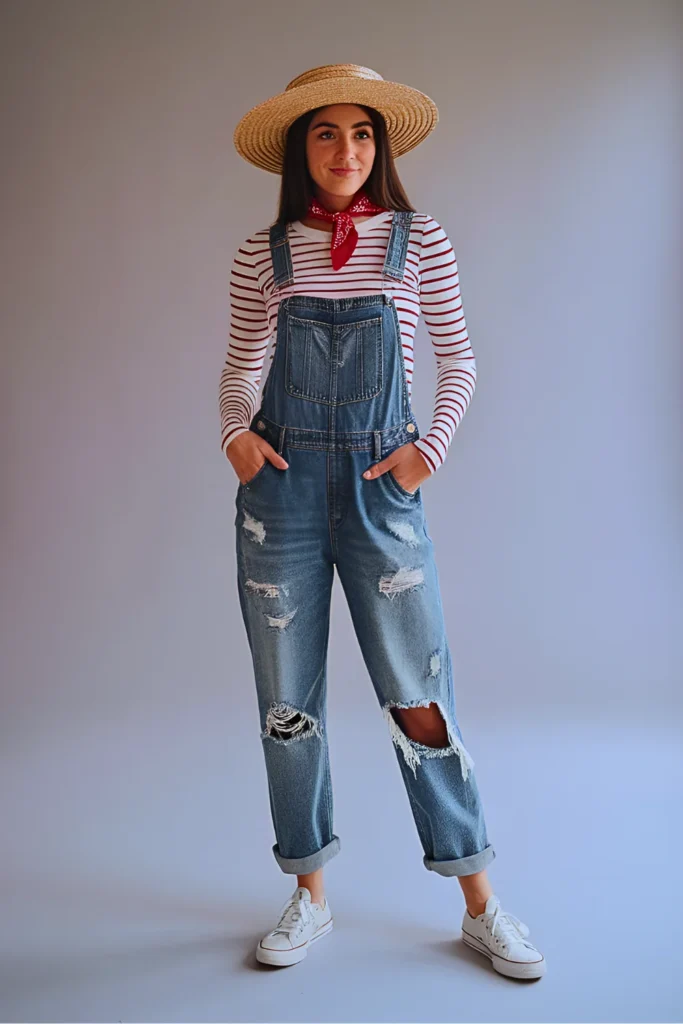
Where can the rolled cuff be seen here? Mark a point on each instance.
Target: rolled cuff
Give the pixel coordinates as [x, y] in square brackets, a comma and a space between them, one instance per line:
[304, 865]
[463, 865]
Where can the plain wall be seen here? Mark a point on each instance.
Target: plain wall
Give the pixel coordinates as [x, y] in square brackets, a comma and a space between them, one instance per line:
[555, 170]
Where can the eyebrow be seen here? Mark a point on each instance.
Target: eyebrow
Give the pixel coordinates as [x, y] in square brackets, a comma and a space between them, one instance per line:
[328, 124]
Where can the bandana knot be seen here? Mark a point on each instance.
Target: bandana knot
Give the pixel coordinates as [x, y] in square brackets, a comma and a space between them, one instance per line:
[344, 234]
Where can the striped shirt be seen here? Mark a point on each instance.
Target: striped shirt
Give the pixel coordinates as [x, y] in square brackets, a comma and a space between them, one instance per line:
[430, 287]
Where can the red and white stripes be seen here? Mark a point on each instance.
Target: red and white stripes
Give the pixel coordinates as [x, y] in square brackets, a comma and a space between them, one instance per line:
[430, 287]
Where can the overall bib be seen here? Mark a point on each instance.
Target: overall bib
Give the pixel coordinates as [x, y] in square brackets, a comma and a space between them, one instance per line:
[334, 400]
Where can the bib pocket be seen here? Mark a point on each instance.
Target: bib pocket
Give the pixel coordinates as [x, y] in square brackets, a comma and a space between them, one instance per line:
[334, 365]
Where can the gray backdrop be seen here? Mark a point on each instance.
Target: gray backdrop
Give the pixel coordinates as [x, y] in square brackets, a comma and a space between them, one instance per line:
[137, 862]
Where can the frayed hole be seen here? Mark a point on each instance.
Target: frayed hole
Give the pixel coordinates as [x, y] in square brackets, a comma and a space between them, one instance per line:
[413, 751]
[434, 665]
[267, 589]
[254, 527]
[284, 722]
[404, 531]
[280, 621]
[405, 579]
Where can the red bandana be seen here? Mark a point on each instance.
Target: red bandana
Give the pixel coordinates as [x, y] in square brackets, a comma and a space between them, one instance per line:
[344, 234]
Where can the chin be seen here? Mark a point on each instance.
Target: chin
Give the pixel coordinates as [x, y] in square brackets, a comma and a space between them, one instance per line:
[341, 187]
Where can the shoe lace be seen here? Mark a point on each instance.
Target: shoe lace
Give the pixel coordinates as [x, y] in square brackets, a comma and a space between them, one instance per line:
[296, 911]
[506, 926]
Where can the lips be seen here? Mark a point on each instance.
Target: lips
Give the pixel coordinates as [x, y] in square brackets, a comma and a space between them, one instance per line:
[342, 172]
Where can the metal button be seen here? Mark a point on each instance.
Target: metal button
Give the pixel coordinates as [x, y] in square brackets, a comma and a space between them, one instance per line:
[260, 424]
[410, 428]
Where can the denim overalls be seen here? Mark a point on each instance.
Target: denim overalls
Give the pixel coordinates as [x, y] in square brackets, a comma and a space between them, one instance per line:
[336, 399]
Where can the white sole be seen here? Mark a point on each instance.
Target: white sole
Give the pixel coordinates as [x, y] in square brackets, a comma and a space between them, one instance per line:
[287, 957]
[512, 969]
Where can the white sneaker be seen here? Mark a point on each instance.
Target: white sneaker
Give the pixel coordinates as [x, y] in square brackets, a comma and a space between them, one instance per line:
[301, 923]
[501, 937]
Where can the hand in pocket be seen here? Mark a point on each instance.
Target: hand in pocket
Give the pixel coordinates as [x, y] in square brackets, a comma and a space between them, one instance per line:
[248, 453]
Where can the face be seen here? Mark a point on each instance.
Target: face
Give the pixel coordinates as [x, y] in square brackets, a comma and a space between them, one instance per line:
[340, 136]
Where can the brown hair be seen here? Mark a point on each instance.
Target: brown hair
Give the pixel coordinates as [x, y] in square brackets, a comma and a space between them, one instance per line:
[383, 186]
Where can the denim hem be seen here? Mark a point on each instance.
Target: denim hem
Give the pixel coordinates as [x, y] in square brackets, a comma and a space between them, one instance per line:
[303, 865]
[463, 865]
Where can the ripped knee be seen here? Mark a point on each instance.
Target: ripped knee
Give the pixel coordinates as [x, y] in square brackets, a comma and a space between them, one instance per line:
[426, 724]
[413, 749]
[287, 723]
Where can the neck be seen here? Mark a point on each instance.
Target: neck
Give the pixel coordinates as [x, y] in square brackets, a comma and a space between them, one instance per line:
[334, 203]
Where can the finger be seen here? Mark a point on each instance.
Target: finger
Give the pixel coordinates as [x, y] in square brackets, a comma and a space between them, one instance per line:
[275, 458]
[378, 468]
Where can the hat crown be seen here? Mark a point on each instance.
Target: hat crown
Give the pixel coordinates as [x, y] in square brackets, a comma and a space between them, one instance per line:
[261, 134]
[328, 71]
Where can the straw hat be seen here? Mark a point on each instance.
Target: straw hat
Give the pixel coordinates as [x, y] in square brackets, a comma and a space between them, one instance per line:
[410, 115]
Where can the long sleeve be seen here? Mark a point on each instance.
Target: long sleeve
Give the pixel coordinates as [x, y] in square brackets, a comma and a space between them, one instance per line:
[441, 307]
[249, 335]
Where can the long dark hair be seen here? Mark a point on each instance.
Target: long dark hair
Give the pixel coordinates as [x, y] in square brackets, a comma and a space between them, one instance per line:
[383, 186]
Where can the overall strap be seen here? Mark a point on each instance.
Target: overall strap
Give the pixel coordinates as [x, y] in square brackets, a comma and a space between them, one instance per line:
[397, 248]
[281, 255]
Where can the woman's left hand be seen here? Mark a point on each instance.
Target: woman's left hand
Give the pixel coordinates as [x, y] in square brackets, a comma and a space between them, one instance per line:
[411, 466]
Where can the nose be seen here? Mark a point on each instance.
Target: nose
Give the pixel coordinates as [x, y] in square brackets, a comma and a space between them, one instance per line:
[345, 150]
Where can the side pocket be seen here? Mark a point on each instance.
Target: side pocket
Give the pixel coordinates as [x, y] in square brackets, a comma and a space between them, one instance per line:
[401, 490]
[256, 475]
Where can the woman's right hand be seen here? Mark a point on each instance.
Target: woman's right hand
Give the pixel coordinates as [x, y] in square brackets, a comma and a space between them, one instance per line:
[247, 453]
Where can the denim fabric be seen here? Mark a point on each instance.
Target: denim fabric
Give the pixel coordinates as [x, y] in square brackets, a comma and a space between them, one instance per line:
[336, 399]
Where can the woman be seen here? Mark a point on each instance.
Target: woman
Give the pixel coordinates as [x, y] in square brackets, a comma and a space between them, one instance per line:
[330, 469]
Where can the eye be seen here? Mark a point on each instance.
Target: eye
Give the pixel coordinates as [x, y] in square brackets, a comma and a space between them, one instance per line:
[361, 131]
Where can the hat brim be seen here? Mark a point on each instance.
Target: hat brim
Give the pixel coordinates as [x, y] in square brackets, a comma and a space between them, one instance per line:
[410, 116]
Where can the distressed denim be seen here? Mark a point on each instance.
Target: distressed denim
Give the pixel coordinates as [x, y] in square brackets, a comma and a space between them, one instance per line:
[336, 399]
